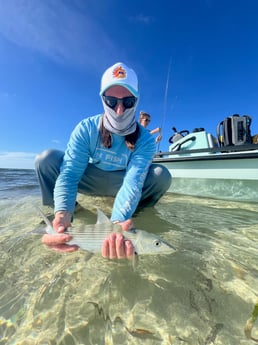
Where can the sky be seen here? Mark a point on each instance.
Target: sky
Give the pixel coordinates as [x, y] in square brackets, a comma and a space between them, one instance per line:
[196, 61]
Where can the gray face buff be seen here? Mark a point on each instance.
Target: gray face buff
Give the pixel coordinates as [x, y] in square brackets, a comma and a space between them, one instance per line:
[119, 124]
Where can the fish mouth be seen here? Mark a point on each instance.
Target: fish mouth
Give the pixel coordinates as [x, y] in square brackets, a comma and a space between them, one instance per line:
[171, 249]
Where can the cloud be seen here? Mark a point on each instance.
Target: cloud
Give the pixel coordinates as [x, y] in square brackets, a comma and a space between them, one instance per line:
[6, 95]
[140, 18]
[56, 141]
[54, 29]
[17, 160]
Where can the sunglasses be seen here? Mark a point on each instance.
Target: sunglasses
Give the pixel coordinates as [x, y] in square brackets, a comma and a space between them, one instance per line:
[146, 120]
[111, 102]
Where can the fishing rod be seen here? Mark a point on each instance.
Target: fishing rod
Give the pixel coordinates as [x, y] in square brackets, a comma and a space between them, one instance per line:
[165, 99]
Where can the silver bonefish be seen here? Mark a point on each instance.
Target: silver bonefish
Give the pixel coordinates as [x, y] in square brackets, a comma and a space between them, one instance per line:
[91, 236]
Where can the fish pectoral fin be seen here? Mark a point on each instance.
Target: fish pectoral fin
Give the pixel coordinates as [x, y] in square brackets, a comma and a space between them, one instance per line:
[101, 217]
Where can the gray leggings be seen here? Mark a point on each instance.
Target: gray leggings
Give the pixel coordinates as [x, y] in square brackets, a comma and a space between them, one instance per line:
[99, 182]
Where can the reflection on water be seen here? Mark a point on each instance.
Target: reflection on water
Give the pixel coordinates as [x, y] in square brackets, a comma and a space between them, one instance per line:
[236, 190]
[201, 295]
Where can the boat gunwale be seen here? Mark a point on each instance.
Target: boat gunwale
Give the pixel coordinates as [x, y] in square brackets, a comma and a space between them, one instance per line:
[217, 153]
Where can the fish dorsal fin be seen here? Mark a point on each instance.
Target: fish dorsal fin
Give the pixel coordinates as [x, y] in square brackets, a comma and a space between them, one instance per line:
[102, 218]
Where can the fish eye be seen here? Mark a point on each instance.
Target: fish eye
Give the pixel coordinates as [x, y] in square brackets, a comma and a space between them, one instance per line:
[157, 243]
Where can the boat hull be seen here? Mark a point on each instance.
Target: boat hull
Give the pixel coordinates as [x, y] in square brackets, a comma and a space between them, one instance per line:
[227, 175]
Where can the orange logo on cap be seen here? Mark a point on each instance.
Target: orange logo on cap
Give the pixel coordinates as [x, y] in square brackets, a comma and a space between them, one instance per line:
[119, 73]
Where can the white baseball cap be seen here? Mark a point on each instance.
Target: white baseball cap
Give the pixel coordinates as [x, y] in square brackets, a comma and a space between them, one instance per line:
[119, 74]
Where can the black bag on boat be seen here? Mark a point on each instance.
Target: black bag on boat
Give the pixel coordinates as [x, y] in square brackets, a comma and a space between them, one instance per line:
[235, 130]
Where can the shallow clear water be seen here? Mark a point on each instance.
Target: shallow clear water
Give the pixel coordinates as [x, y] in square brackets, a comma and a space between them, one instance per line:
[234, 190]
[201, 295]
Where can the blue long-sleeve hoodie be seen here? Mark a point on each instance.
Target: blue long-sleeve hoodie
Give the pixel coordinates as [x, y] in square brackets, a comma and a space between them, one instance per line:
[85, 147]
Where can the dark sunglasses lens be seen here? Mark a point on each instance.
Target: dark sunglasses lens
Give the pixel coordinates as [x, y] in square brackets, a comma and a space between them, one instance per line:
[110, 101]
[129, 102]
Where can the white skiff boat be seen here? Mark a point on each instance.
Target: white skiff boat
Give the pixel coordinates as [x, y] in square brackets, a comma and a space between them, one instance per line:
[199, 167]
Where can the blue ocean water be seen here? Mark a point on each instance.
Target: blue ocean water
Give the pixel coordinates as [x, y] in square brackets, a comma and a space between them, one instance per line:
[204, 294]
[15, 183]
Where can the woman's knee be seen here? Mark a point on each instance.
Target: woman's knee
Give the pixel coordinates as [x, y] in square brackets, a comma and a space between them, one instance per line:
[161, 176]
[48, 158]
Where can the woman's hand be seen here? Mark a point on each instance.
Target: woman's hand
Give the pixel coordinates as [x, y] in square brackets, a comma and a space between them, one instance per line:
[116, 246]
[58, 241]
[158, 139]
